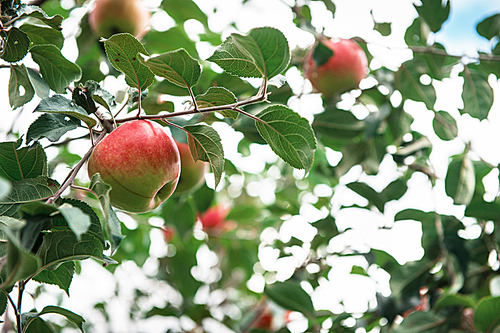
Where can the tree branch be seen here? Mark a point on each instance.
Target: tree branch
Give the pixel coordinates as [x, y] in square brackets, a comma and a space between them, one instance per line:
[72, 175]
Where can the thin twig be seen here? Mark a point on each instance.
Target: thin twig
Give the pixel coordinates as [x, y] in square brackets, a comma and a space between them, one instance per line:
[21, 284]
[195, 105]
[262, 96]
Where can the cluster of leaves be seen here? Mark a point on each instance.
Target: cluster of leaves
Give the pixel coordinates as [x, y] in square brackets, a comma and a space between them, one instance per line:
[44, 234]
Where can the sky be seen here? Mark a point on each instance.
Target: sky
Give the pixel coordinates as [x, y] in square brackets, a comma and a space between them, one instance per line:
[459, 31]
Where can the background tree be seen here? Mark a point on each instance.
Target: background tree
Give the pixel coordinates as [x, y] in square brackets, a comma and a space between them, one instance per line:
[309, 214]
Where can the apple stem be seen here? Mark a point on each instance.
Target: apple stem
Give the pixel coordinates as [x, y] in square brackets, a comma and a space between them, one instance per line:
[139, 104]
[72, 174]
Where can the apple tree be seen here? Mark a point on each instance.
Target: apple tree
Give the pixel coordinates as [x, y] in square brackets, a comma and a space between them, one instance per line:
[281, 187]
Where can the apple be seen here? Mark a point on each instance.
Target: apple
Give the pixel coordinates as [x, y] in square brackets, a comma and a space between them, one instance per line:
[192, 173]
[335, 66]
[141, 162]
[116, 16]
[168, 233]
[214, 217]
[264, 321]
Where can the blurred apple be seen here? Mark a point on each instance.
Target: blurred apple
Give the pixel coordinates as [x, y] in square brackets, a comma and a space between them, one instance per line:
[110, 17]
[192, 173]
[141, 162]
[214, 217]
[168, 233]
[335, 66]
[214, 220]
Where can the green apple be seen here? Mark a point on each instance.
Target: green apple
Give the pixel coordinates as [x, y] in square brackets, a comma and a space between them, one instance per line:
[141, 162]
[116, 16]
[192, 173]
[335, 66]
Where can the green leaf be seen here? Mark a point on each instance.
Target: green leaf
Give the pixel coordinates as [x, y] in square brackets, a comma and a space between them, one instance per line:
[477, 93]
[460, 180]
[177, 67]
[291, 296]
[321, 54]
[384, 28]
[407, 81]
[455, 300]
[183, 10]
[217, 96]
[487, 315]
[61, 276]
[101, 96]
[368, 193]
[435, 13]
[166, 311]
[329, 5]
[43, 35]
[417, 33]
[489, 211]
[439, 63]
[177, 39]
[288, 134]
[264, 52]
[77, 221]
[489, 27]
[42, 89]
[61, 245]
[51, 126]
[204, 144]
[36, 12]
[81, 97]
[61, 105]
[421, 321]
[445, 126]
[56, 70]
[359, 270]
[333, 125]
[24, 191]
[71, 316]
[16, 45]
[20, 264]
[32, 323]
[19, 80]
[22, 163]
[112, 223]
[179, 212]
[123, 53]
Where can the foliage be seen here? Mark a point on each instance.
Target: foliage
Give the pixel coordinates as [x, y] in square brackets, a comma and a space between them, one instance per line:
[279, 216]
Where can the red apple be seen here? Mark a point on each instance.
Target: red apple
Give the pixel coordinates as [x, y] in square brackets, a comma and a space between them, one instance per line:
[192, 173]
[168, 233]
[141, 162]
[214, 218]
[339, 72]
[116, 16]
[264, 321]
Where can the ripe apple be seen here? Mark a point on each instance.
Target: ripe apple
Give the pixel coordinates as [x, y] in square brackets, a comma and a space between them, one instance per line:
[115, 16]
[141, 162]
[214, 218]
[192, 173]
[335, 66]
[168, 233]
[264, 321]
